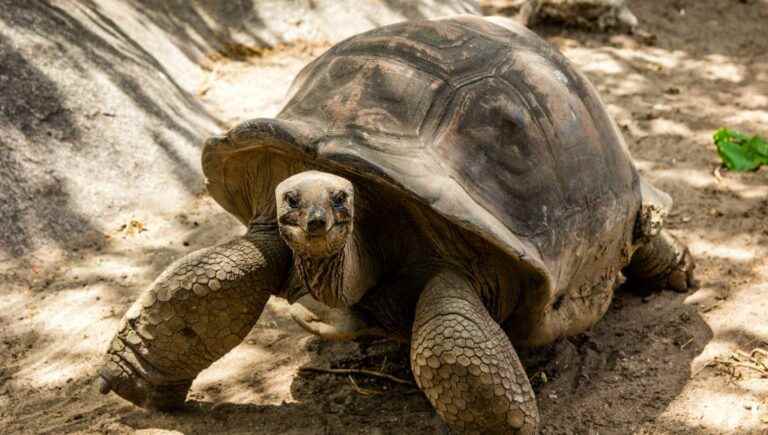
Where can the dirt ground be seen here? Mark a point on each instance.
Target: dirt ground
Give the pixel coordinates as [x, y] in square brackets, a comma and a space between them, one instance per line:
[661, 363]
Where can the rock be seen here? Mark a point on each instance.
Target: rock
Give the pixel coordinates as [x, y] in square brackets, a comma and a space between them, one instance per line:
[97, 112]
[63, 163]
[601, 14]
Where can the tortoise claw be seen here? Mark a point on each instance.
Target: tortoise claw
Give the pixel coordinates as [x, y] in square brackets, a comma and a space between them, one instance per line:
[662, 263]
[103, 385]
[681, 279]
[677, 281]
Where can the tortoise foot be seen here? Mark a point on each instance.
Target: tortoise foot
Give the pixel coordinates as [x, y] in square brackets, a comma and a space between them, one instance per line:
[135, 389]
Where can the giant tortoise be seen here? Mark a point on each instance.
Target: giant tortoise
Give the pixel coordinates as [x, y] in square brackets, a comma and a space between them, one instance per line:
[455, 183]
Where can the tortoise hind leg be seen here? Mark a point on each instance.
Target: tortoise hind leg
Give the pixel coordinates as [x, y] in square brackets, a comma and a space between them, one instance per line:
[465, 363]
[196, 311]
[336, 324]
[662, 262]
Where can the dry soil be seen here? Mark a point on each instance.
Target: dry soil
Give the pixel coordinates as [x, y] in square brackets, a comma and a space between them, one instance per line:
[660, 363]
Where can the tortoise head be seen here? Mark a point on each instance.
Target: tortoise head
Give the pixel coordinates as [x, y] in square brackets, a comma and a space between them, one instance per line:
[315, 213]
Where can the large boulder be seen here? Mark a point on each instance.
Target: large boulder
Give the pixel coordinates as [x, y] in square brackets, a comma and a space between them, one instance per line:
[93, 125]
[98, 115]
[202, 26]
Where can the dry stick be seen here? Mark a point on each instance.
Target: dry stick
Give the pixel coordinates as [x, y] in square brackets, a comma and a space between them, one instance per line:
[712, 364]
[740, 355]
[750, 360]
[363, 391]
[356, 371]
[745, 365]
[759, 361]
[732, 366]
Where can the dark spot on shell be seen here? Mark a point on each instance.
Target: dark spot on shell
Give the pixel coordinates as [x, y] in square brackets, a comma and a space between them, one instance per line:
[187, 332]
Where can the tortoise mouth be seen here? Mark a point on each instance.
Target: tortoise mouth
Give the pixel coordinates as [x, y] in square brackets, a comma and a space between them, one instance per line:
[323, 242]
[324, 232]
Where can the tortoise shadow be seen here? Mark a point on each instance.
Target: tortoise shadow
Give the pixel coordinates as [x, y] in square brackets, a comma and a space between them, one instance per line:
[582, 372]
[643, 349]
[582, 375]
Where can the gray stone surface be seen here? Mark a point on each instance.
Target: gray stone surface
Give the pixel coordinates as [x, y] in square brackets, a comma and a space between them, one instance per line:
[93, 125]
[98, 112]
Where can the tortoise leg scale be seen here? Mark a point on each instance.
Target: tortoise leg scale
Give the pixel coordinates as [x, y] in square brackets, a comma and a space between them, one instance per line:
[197, 310]
[465, 363]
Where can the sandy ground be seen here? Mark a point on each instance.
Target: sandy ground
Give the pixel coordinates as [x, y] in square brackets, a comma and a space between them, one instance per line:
[650, 366]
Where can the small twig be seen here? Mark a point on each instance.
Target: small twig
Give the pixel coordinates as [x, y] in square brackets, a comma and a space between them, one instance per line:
[698, 372]
[362, 391]
[760, 370]
[739, 359]
[690, 340]
[752, 359]
[740, 355]
[716, 172]
[356, 372]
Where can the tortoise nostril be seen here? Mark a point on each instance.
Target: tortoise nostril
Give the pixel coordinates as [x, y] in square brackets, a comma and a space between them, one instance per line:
[316, 221]
[316, 225]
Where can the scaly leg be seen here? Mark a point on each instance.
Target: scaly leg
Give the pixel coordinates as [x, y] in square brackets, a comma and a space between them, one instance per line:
[196, 311]
[662, 263]
[465, 363]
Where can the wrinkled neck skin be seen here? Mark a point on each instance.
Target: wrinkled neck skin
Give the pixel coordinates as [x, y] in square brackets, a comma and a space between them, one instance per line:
[340, 280]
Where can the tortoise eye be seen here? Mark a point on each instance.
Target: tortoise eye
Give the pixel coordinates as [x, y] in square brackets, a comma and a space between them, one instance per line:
[339, 198]
[292, 199]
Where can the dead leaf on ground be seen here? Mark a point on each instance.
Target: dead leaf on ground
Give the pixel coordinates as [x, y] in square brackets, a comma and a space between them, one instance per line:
[133, 227]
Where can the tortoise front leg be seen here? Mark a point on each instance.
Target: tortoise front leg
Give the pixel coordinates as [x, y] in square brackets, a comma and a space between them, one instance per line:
[196, 311]
[465, 363]
[662, 262]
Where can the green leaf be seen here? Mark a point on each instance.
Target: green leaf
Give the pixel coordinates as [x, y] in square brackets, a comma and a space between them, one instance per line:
[740, 152]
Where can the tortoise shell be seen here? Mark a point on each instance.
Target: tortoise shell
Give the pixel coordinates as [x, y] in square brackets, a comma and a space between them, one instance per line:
[484, 122]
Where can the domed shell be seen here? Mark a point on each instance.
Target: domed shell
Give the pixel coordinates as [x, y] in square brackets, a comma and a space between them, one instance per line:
[480, 120]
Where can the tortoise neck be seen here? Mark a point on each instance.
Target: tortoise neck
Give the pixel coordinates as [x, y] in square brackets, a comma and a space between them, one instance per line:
[339, 280]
